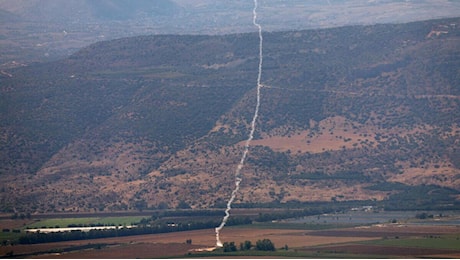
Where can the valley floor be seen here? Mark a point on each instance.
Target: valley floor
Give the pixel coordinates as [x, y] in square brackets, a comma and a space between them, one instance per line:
[379, 240]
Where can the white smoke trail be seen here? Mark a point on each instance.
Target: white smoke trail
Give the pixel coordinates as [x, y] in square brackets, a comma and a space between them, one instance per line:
[238, 178]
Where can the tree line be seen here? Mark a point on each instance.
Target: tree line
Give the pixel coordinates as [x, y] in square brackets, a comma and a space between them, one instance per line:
[39, 237]
[261, 245]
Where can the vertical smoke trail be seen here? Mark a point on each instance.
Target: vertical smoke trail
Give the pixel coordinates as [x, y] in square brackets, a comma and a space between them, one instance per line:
[238, 178]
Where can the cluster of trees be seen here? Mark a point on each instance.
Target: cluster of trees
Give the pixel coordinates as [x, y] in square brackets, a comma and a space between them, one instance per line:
[423, 197]
[263, 217]
[261, 245]
[419, 197]
[186, 213]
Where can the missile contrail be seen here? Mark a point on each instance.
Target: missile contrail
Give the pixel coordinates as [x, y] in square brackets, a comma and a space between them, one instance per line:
[238, 178]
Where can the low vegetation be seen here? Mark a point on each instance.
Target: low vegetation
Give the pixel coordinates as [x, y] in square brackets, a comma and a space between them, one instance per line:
[157, 122]
[261, 245]
[432, 241]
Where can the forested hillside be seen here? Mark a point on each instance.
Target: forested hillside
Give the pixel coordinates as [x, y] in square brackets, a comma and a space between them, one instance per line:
[366, 113]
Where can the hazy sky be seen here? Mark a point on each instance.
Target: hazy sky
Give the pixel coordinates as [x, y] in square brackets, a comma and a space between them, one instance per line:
[50, 29]
[223, 16]
[304, 14]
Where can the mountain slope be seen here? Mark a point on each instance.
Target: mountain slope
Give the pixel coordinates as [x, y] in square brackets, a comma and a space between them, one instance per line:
[351, 113]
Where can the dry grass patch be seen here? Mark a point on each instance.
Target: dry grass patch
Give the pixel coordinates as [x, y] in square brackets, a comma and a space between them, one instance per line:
[335, 133]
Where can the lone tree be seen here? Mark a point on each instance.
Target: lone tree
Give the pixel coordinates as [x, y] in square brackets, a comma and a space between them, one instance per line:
[265, 245]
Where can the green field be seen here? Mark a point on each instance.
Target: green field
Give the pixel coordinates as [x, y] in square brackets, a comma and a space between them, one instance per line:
[106, 221]
[9, 235]
[434, 242]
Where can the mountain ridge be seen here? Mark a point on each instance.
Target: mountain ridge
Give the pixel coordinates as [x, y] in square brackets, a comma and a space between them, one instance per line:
[40, 31]
[152, 121]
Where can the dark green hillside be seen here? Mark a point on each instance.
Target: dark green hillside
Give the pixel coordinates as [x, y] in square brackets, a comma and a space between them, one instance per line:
[152, 121]
[158, 80]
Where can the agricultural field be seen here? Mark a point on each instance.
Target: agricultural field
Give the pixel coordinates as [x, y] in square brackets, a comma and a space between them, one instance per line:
[291, 239]
[86, 222]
